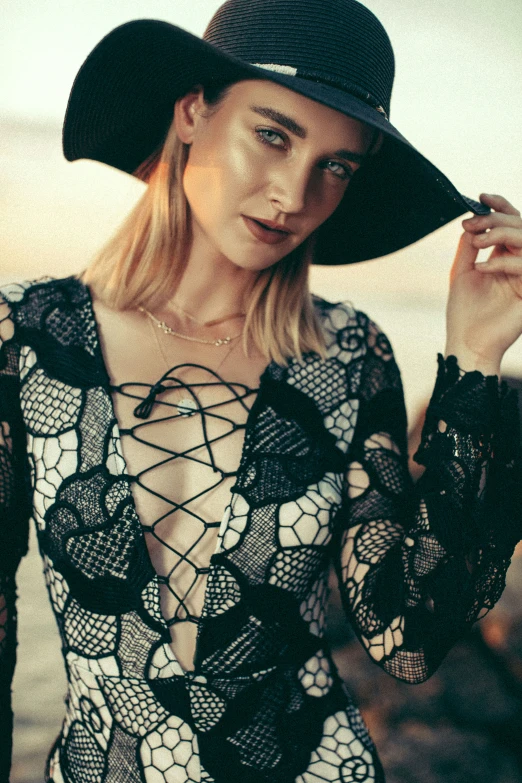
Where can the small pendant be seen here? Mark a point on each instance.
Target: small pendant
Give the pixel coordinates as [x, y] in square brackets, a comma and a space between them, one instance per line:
[222, 341]
[187, 407]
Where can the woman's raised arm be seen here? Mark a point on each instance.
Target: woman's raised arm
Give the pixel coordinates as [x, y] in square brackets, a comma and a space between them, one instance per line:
[418, 565]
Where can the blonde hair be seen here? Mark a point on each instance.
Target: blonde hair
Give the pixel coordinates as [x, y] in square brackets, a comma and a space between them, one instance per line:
[144, 261]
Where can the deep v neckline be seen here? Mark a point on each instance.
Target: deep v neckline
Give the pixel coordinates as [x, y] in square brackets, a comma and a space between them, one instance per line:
[123, 472]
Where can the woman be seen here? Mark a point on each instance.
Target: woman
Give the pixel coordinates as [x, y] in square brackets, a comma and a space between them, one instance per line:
[197, 438]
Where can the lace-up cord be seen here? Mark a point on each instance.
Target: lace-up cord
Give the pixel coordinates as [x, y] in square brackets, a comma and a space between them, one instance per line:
[171, 381]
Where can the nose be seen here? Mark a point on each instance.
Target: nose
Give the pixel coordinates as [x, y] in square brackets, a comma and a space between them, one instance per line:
[289, 187]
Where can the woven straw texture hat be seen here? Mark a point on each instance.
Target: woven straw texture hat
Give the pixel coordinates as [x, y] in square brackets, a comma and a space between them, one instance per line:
[332, 51]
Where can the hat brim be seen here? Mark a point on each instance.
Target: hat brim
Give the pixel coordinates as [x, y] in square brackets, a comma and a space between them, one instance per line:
[121, 107]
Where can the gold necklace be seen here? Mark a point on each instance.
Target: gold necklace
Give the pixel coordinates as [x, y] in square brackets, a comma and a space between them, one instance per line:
[167, 329]
[186, 406]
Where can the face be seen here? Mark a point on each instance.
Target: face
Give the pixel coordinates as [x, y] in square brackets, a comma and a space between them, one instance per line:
[265, 155]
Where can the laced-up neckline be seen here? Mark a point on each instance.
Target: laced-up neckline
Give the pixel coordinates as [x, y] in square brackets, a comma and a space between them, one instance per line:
[181, 555]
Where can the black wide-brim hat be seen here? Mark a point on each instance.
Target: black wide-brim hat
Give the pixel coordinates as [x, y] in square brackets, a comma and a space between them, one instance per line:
[335, 52]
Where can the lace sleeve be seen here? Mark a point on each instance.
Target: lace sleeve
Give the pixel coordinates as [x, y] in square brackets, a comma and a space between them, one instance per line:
[14, 514]
[417, 565]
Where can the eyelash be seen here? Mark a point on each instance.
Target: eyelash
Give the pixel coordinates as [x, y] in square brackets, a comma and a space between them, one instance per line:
[347, 172]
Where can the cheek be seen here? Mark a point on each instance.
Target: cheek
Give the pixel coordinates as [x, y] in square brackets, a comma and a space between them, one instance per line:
[326, 201]
[243, 172]
[201, 186]
[222, 180]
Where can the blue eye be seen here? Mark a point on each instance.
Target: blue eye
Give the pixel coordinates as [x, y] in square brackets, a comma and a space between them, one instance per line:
[268, 136]
[279, 140]
[338, 170]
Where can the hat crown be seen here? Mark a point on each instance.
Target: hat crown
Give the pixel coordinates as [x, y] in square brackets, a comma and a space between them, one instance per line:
[339, 42]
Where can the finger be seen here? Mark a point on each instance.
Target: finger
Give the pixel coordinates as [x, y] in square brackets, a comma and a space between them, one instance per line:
[510, 265]
[499, 203]
[501, 235]
[465, 256]
[480, 223]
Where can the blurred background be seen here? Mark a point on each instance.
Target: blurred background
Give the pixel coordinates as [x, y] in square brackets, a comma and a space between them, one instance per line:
[456, 98]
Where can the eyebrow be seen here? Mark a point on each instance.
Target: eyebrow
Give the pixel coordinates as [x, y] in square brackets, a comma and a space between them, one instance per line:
[287, 122]
[298, 130]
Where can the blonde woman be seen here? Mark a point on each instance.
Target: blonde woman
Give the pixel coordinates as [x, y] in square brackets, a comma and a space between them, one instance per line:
[198, 438]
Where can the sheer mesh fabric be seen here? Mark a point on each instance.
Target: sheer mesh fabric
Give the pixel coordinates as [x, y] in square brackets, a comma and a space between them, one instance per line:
[182, 440]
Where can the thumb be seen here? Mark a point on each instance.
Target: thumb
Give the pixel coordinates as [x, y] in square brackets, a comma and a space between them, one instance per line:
[465, 256]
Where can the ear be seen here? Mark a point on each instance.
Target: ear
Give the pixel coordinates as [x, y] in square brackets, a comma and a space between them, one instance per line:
[186, 114]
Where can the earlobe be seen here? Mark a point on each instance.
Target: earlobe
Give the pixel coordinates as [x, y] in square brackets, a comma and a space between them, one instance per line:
[186, 113]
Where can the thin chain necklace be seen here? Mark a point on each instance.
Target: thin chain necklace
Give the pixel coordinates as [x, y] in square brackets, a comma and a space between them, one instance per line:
[186, 406]
[167, 329]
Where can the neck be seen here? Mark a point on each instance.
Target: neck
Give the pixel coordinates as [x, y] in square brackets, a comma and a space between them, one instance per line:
[211, 287]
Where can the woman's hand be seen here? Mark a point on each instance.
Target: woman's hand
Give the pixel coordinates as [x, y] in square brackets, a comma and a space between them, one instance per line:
[484, 313]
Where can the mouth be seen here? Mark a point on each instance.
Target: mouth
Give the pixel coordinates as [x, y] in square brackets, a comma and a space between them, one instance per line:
[266, 231]
[271, 226]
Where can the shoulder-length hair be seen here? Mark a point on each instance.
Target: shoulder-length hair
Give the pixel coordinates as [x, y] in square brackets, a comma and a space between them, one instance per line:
[142, 264]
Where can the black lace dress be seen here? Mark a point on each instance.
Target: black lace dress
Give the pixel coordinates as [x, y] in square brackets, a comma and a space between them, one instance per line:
[322, 478]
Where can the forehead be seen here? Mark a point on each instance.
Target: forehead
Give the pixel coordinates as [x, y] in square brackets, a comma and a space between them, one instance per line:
[316, 118]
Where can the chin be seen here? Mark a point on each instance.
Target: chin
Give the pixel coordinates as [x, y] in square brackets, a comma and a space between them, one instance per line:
[253, 264]
[258, 266]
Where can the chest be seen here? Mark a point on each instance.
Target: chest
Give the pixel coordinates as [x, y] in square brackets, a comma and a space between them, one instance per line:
[181, 409]
[184, 454]
[268, 449]
[278, 473]
[125, 538]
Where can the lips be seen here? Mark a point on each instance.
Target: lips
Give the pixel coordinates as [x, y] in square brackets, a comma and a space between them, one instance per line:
[265, 231]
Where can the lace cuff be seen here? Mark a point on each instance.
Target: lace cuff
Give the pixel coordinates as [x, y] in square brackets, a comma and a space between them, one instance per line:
[466, 401]
[474, 459]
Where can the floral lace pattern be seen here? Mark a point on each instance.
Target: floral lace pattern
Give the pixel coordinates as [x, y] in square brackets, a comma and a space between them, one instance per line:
[322, 477]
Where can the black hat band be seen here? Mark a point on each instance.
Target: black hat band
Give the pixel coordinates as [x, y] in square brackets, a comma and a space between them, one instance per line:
[329, 79]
